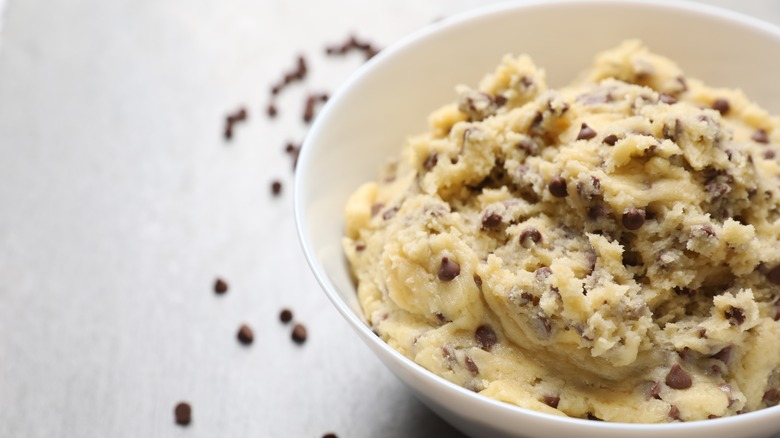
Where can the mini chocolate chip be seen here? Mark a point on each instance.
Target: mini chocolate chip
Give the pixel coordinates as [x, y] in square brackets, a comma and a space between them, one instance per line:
[586, 132]
[557, 187]
[299, 334]
[276, 187]
[486, 337]
[499, 100]
[448, 270]
[245, 335]
[735, 315]
[723, 355]
[530, 235]
[183, 413]
[655, 390]
[610, 140]
[330, 435]
[774, 275]
[678, 378]
[721, 105]
[668, 99]
[771, 397]
[272, 110]
[543, 273]
[478, 281]
[674, 413]
[759, 136]
[593, 417]
[430, 161]
[471, 366]
[376, 208]
[389, 213]
[551, 400]
[633, 218]
[220, 286]
[491, 221]
[285, 315]
[360, 247]
[769, 155]
[596, 212]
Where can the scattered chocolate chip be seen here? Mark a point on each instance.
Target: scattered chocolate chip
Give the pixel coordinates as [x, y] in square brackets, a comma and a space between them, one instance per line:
[471, 366]
[721, 105]
[486, 337]
[448, 269]
[557, 187]
[551, 400]
[271, 110]
[530, 236]
[245, 335]
[735, 315]
[667, 98]
[299, 334]
[285, 315]
[430, 161]
[220, 286]
[774, 275]
[633, 218]
[491, 221]
[353, 43]
[759, 136]
[586, 132]
[678, 378]
[330, 435]
[276, 187]
[610, 140]
[311, 101]
[183, 413]
[288, 78]
[239, 115]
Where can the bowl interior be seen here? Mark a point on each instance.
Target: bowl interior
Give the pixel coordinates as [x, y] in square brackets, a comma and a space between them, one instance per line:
[367, 121]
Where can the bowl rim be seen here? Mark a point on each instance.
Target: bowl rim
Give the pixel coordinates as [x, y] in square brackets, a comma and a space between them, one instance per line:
[385, 56]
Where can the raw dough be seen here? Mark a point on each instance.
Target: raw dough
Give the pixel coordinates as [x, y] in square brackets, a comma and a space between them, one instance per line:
[608, 250]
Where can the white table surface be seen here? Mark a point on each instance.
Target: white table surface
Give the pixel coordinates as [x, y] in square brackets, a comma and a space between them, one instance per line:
[120, 203]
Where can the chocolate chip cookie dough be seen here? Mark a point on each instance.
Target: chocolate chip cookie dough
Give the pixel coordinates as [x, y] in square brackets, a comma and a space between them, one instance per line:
[608, 250]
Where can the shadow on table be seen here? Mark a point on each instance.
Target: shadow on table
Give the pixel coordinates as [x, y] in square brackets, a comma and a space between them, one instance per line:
[418, 421]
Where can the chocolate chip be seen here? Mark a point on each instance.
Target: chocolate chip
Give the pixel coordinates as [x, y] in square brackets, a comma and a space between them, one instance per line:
[668, 99]
[759, 136]
[430, 161]
[551, 400]
[678, 378]
[299, 334]
[389, 213]
[769, 155]
[771, 397]
[633, 218]
[271, 110]
[499, 100]
[276, 187]
[655, 390]
[586, 132]
[774, 275]
[486, 337]
[233, 118]
[330, 435]
[557, 187]
[353, 43]
[183, 413]
[735, 315]
[721, 105]
[593, 417]
[610, 140]
[478, 281]
[491, 221]
[285, 315]
[543, 273]
[220, 286]
[596, 212]
[245, 335]
[674, 413]
[471, 366]
[723, 355]
[448, 270]
[376, 208]
[530, 235]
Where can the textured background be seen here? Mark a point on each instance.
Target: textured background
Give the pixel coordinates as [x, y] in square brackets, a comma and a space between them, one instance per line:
[120, 203]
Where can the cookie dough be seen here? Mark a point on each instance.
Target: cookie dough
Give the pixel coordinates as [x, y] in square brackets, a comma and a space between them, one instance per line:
[608, 250]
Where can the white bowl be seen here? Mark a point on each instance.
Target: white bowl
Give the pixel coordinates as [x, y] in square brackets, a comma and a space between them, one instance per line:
[389, 99]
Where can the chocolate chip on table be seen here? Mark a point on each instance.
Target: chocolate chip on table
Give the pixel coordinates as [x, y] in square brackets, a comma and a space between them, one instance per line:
[551, 400]
[220, 286]
[774, 275]
[430, 161]
[735, 315]
[296, 75]
[353, 43]
[330, 435]
[530, 236]
[485, 336]
[491, 221]
[586, 132]
[238, 116]
[633, 218]
[610, 140]
[722, 106]
[311, 101]
[285, 315]
[183, 413]
[271, 110]
[245, 335]
[299, 334]
[448, 270]
[678, 378]
[557, 187]
[760, 136]
[276, 187]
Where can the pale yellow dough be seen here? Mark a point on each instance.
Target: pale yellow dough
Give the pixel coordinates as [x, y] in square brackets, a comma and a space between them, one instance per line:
[575, 305]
